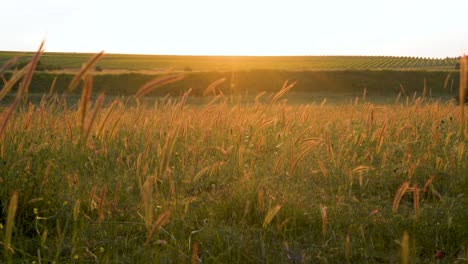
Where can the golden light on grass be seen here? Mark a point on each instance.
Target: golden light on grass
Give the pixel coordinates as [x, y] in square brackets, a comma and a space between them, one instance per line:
[219, 156]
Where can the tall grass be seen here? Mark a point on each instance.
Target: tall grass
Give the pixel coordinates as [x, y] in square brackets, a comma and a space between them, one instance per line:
[165, 181]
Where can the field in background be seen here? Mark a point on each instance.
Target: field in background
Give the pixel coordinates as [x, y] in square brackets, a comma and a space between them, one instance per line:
[155, 63]
[382, 78]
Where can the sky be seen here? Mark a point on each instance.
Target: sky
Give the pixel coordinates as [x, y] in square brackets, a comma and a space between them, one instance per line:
[239, 27]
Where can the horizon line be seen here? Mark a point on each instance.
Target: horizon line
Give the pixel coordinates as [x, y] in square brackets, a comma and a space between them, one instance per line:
[230, 55]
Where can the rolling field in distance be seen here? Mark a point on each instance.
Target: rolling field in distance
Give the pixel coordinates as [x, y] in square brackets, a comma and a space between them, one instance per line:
[143, 179]
[153, 63]
[322, 76]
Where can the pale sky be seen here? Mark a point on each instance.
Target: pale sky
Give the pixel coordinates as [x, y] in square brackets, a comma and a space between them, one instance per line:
[424, 28]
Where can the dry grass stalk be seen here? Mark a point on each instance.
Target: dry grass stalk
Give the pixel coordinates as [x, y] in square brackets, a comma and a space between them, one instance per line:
[307, 146]
[266, 123]
[105, 119]
[8, 64]
[416, 200]
[277, 165]
[97, 107]
[76, 210]
[427, 184]
[347, 247]
[261, 201]
[52, 87]
[201, 173]
[12, 206]
[83, 71]
[194, 259]
[84, 100]
[158, 82]
[360, 171]
[160, 222]
[399, 194]
[24, 85]
[462, 92]
[8, 115]
[147, 200]
[257, 98]
[102, 203]
[323, 212]
[270, 215]
[447, 80]
[405, 248]
[286, 87]
[17, 75]
[381, 137]
[167, 151]
[323, 169]
[212, 87]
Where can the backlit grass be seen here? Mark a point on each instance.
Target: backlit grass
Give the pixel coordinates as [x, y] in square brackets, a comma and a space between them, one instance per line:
[264, 182]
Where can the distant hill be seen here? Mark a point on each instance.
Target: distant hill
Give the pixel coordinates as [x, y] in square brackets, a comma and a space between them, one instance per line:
[130, 62]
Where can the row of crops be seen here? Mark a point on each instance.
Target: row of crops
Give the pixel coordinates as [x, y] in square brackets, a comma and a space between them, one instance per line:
[209, 63]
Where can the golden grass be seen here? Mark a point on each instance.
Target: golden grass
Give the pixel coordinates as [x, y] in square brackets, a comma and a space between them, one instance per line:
[236, 164]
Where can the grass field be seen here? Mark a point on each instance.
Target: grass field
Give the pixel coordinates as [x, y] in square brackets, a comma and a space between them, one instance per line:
[155, 63]
[144, 180]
